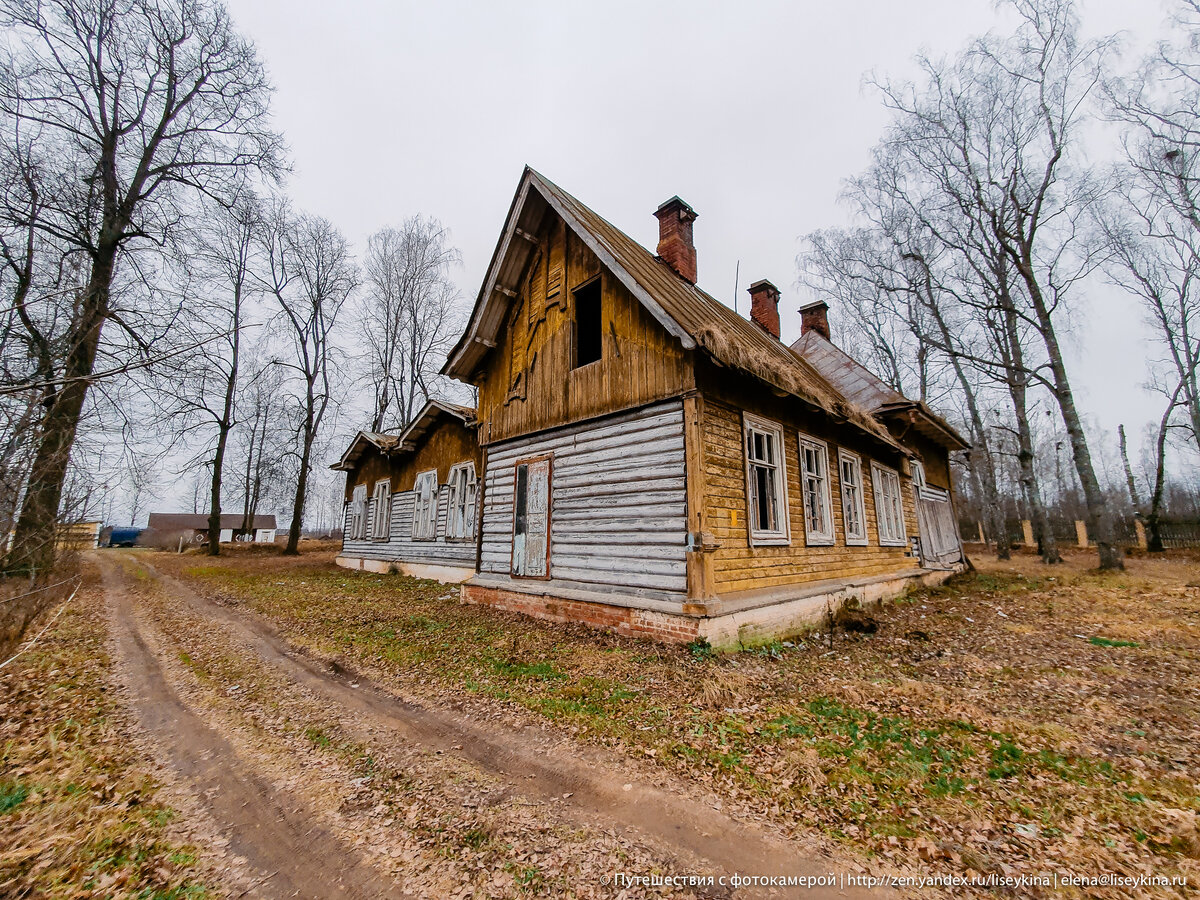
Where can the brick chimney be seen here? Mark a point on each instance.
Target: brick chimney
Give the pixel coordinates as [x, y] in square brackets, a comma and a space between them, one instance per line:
[764, 307]
[815, 317]
[675, 245]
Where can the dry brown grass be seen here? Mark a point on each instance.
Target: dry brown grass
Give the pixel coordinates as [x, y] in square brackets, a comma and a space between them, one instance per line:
[78, 814]
[1048, 721]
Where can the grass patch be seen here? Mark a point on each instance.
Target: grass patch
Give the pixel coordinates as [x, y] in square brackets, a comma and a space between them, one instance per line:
[1110, 642]
[12, 795]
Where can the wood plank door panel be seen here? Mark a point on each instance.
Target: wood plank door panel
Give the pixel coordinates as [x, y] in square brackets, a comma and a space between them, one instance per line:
[531, 519]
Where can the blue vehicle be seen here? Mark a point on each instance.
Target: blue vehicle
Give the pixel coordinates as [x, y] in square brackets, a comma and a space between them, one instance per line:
[124, 537]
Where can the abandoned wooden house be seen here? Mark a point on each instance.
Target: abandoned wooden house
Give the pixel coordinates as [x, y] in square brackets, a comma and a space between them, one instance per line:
[411, 497]
[658, 464]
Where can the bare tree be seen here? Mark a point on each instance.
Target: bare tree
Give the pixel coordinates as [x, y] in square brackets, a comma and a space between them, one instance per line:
[203, 385]
[141, 104]
[311, 274]
[1001, 124]
[408, 316]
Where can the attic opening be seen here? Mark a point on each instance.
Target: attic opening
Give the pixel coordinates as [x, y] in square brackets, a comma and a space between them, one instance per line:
[589, 332]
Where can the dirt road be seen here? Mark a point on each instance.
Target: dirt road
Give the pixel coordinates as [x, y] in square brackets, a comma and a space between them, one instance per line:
[538, 782]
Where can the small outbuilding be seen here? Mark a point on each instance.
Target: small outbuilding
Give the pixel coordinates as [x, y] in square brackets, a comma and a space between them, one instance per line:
[194, 527]
[412, 498]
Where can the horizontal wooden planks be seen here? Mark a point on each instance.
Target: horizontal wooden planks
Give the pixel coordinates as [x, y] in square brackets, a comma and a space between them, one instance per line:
[737, 565]
[618, 502]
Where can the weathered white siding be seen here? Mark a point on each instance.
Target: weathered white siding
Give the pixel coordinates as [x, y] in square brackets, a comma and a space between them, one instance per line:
[400, 546]
[618, 517]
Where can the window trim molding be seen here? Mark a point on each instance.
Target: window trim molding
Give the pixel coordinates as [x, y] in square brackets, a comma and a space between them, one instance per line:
[781, 537]
[451, 500]
[433, 497]
[823, 538]
[387, 498]
[877, 472]
[863, 539]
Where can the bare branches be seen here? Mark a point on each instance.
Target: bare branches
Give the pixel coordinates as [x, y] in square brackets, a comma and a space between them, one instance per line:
[408, 316]
[129, 111]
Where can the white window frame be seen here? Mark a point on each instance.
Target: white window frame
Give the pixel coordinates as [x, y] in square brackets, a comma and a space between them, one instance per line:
[888, 508]
[857, 500]
[822, 537]
[381, 499]
[425, 506]
[781, 535]
[358, 512]
[918, 474]
[463, 501]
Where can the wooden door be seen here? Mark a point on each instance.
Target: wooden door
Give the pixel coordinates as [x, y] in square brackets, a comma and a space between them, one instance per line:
[531, 519]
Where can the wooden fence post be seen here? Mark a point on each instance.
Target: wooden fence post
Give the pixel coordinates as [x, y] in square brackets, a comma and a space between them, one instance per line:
[982, 539]
[1139, 529]
[1027, 532]
[1081, 533]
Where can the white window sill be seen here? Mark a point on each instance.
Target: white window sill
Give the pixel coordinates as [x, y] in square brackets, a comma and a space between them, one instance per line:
[898, 543]
[777, 541]
[857, 542]
[819, 540]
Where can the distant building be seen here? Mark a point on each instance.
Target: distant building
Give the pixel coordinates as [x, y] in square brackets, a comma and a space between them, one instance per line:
[195, 526]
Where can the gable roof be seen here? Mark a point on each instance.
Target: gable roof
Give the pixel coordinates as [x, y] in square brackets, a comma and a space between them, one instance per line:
[406, 439]
[864, 388]
[697, 319]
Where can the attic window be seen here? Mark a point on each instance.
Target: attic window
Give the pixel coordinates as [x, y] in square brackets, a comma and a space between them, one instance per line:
[589, 333]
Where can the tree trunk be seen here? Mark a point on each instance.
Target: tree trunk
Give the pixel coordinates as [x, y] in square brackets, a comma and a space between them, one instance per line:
[1129, 480]
[1098, 522]
[984, 468]
[293, 542]
[33, 540]
[1047, 545]
[224, 427]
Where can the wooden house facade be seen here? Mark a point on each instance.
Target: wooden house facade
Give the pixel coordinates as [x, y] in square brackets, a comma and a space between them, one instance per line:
[412, 498]
[655, 463]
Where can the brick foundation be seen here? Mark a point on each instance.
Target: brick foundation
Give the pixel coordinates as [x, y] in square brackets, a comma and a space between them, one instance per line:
[726, 627]
[622, 619]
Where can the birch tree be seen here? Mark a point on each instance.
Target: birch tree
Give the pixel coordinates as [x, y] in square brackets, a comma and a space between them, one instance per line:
[1002, 125]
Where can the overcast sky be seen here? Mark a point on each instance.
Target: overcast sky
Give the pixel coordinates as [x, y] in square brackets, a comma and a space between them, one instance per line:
[751, 112]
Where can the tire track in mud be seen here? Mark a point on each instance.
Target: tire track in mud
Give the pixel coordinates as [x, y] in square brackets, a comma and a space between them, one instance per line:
[584, 783]
[293, 855]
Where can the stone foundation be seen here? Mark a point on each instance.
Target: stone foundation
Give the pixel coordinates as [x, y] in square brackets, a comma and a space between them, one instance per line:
[446, 574]
[727, 623]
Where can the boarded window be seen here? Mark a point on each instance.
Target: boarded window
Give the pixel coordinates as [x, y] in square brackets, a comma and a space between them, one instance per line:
[382, 501]
[765, 481]
[589, 334]
[463, 489]
[358, 513]
[531, 519]
[889, 508]
[854, 512]
[425, 506]
[814, 486]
